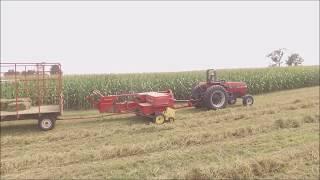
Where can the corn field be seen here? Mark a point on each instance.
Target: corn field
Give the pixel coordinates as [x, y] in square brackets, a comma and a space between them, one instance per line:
[259, 80]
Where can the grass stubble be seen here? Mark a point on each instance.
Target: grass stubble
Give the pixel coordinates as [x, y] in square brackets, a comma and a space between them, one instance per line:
[278, 137]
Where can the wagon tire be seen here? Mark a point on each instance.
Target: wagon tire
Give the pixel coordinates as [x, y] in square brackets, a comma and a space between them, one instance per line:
[46, 123]
[247, 100]
[216, 97]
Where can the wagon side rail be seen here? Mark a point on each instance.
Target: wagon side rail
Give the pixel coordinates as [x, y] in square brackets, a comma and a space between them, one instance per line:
[40, 82]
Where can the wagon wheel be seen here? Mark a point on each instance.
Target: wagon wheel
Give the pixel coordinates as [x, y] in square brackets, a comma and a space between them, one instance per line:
[159, 119]
[46, 123]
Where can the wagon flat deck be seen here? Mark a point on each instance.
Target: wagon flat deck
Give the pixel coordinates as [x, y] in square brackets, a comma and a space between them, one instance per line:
[34, 110]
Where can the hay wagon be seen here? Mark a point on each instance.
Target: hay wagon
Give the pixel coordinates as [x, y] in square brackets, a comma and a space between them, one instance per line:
[31, 91]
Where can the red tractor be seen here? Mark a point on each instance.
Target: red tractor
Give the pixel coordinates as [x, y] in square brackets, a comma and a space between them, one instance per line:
[216, 94]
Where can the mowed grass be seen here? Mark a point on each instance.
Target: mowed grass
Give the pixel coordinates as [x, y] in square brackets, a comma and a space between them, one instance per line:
[278, 137]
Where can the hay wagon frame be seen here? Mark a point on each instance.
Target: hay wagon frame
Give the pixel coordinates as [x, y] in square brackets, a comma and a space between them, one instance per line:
[41, 83]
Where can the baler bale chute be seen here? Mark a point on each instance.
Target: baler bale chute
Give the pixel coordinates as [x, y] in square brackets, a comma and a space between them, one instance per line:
[158, 106]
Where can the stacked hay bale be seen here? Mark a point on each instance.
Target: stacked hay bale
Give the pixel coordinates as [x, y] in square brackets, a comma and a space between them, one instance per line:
[11, 104]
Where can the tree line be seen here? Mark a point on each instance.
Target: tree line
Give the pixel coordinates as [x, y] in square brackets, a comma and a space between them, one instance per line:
[276, 57]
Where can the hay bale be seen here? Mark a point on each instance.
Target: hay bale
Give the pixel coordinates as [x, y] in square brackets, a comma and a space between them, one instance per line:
[14, 100]
[21, 106]
[4, 104]
[24, 100]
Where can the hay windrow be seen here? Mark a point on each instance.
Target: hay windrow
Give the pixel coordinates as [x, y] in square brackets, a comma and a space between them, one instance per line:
[199, 144]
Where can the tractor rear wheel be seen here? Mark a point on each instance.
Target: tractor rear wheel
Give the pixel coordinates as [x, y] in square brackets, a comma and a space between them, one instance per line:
[196, 95]
[216, 97]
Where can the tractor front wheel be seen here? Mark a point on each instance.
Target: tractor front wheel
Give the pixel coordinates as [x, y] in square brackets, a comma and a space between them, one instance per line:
[216, 97]
[247, 100]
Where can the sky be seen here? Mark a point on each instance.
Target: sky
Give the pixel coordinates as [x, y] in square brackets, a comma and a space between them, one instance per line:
[121, 37]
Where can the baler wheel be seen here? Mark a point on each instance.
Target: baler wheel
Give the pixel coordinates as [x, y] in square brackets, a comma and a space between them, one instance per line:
[159, 119]
[216, 97]
[171, 119]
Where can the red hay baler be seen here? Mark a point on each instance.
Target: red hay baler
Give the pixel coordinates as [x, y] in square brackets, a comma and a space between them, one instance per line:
[156, 105]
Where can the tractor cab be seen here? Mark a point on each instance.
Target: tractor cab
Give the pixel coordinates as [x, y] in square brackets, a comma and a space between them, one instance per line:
[211, 76]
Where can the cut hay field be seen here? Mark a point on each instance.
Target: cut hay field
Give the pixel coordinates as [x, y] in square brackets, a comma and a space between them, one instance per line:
[278, 137]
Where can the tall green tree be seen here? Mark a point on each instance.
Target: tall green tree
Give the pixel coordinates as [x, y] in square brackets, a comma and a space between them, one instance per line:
[294, 60]
[276, 56]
